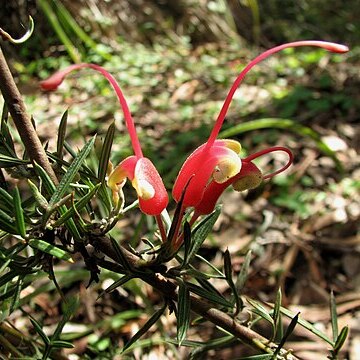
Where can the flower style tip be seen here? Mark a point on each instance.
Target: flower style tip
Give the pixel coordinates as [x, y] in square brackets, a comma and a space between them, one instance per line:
[145, 179]
[55, 80]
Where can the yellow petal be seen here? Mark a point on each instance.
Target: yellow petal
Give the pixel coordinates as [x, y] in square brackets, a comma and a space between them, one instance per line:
[226, 168]
[232, 145]
[143, 188]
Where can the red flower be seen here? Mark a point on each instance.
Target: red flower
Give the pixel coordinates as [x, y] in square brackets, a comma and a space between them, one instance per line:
[249, 177]
[215, 165]
[143, 175]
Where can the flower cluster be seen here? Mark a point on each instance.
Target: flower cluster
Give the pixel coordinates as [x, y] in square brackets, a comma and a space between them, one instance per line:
[206, 173]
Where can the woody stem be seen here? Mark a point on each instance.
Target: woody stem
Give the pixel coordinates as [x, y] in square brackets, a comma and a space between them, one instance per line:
[22, 119]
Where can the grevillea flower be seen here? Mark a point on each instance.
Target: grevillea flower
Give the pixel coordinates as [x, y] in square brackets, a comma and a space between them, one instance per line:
[142, 173]
[215, 165]
[249, 177]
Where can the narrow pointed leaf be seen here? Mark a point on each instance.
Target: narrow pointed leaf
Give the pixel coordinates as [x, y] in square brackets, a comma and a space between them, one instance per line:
[278, 333]
[40, 331]
[78, 206]
[105, 153]
[8, 161]
[153, 319]
[341, 339]
[261, 311]
[16, 297]
[46, 180]
[243, 275]
[187, 242]
[258, 357]
[50, 189]
[228, 275]
[210, 288]
[176, 219]
[211, 296]
[50, 249]
[19, 213]
[212, 266]
[71, 172]
[123, 280]
[201, 232]
[333, 313]
[7, 223]
[307, 325]
[6, 199]
[4, 130]
[58, 344]
[288, 332]
[6, 278]
[61, 134]
[183, 313]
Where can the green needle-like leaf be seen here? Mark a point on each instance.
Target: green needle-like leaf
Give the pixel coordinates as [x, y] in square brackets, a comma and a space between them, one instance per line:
[8, 161]
[183, 312]
[153, 319]
[19, 213]
[50, 249]
[120, 255]
[61, 134]
[71, 172]
[48, 184]
[123, 280]
[201, 232]
[7, 223]
[228, 275]
[187, 242]
[212, 296]
[58, 344]
[288, 332]
[6, 200]
[341, 339]
[77, 207]
[39, 198]
[261, 311]
[105, 153]
[277, 316]
[307, 325]
[40, 331]
[333, 313]
[243, 275]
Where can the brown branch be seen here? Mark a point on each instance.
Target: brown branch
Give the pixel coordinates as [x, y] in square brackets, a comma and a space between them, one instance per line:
[22, 120]
[169, 289]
